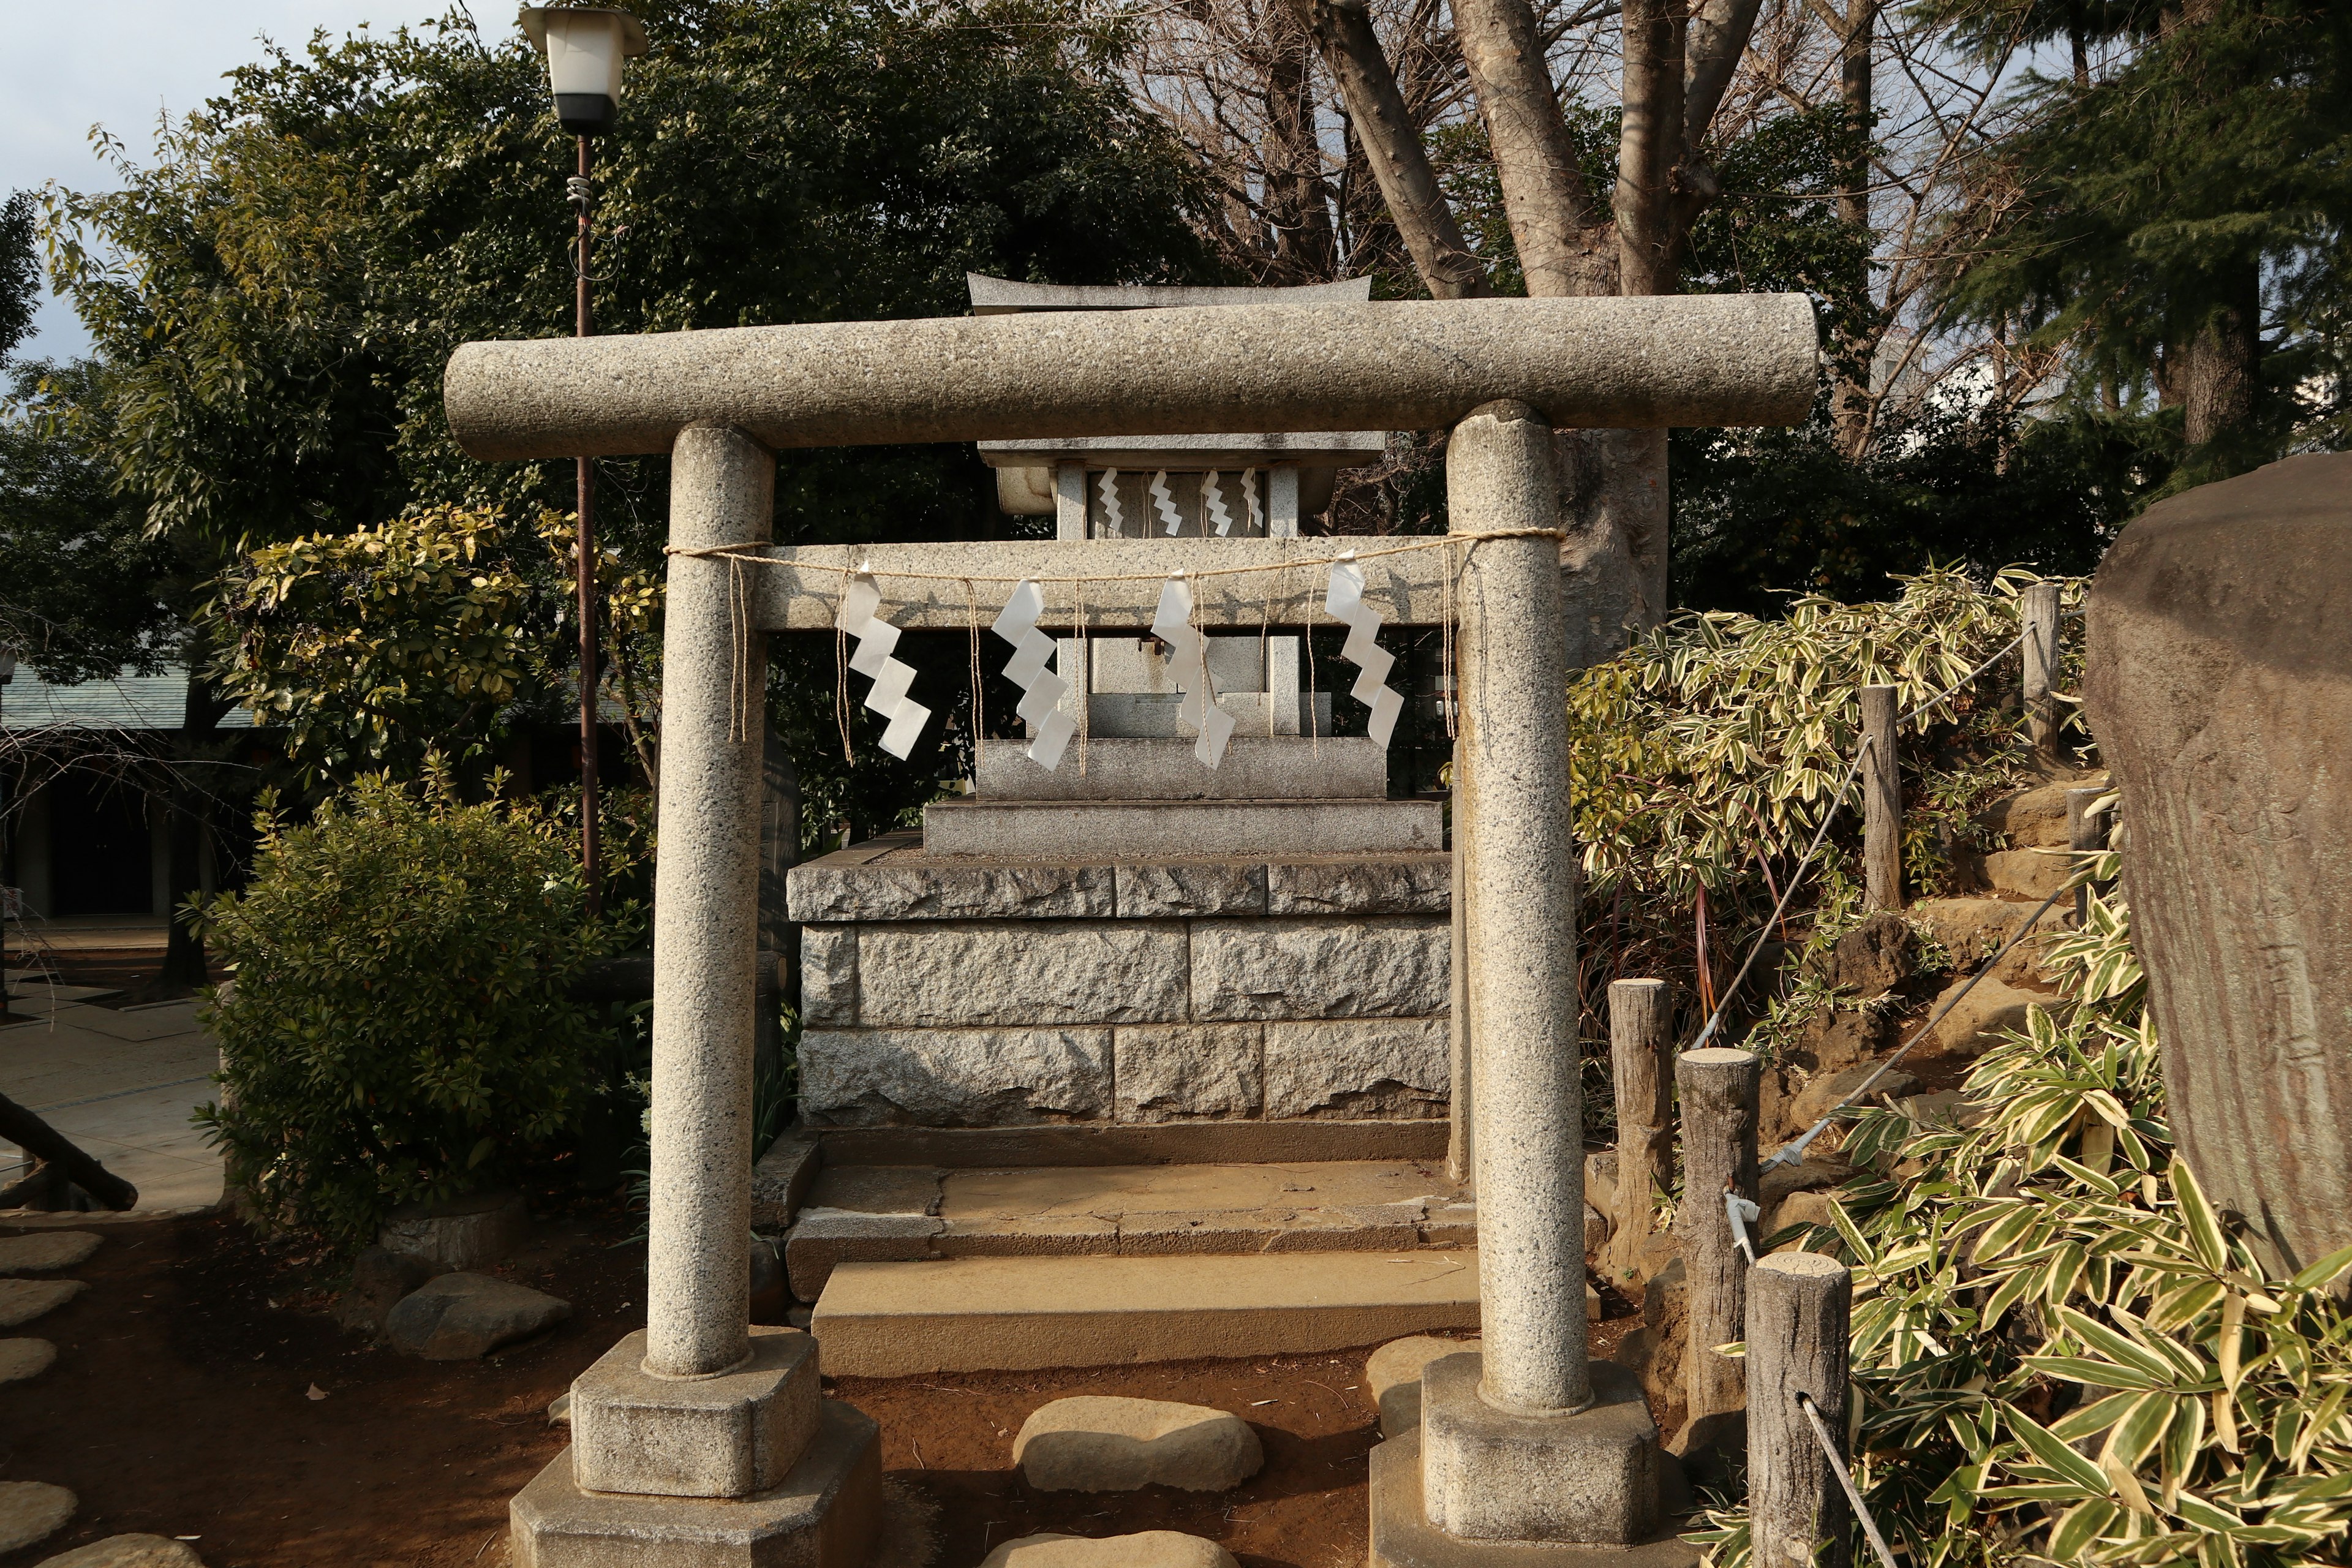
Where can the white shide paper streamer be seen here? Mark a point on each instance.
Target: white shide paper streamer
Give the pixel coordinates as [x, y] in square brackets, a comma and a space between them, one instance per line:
[875, 639]
[1188, 661]
[1110, 507]
[1040, 688]
[1166, 503]
[1213, 505]
[1345, 602]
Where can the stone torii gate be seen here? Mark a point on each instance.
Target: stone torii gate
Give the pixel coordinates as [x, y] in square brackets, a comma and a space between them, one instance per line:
[701, 1440]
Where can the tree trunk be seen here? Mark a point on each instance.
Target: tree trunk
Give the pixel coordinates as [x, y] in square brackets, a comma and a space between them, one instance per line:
[1392, 146]
[2216, 374]
[1650, 147]
[1305, 249]
[1849, 410]
[1562, 243]
[189, 824]
[1613, 502]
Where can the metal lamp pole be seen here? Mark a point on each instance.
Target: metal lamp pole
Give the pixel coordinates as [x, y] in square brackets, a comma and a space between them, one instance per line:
[585, 46]
[590, 855]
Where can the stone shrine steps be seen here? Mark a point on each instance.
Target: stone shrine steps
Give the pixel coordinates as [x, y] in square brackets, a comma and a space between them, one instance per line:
[1017, 1314]
[908, 1213]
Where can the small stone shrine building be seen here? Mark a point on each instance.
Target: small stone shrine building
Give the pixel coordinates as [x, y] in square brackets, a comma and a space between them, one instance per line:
[1135, 957]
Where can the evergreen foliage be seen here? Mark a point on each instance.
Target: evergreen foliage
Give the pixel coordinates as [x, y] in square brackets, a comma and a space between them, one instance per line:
[400, 1028]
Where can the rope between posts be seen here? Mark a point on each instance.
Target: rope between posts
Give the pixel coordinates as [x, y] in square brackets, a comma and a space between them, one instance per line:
[1837, 1467]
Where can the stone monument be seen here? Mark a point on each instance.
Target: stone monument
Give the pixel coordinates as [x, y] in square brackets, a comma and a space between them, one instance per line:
[2219, 683]
[705, 1442]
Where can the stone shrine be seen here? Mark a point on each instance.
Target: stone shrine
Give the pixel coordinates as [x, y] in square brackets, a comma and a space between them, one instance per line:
[1135, 938]
[706, 1441]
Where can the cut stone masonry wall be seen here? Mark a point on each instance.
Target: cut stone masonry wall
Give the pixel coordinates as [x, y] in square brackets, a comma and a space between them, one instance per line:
[941, 993]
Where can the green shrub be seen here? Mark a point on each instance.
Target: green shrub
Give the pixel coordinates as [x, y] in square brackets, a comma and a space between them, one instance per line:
[399, 1030]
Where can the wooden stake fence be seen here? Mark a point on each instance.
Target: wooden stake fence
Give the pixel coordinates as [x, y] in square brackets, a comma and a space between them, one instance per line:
[1641, 1025]
[1718, 1094]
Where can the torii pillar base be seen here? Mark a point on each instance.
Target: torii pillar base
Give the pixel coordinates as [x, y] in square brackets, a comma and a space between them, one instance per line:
[826, 1513]
[1533, 1491]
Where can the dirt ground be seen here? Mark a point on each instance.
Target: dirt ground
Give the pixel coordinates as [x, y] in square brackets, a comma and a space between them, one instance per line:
[182, 1404]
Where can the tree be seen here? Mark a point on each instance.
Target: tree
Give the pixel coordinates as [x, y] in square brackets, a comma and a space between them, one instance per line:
[2158, 220]
[276, 293]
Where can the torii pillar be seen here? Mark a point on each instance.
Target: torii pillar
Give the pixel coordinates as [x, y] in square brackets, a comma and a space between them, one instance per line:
[702, 1440]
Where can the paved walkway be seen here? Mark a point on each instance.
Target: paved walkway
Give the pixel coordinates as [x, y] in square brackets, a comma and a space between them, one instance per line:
[119, 1082]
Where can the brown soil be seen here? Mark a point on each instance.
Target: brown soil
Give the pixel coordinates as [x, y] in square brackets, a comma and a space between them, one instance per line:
[180, 1405]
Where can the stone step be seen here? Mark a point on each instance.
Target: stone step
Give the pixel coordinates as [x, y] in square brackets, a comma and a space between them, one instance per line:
[912, 1212]
[1019, 1314]
[1061, 829]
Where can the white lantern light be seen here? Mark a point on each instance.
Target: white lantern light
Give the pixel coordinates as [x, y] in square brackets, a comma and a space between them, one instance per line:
[584, 48]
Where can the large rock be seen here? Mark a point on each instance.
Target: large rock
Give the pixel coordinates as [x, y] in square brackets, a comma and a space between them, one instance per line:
[23, 1358]
[1357, 1068]
[1177, 1072]
[2027, 873]
[2034, 818]
[461, 1234]
[1978, 1020]
[1836, 1037]
[1872, 957]
[954, 1078]
[461, 1316]
[1653, 1352]
[1970, 929]
[44, 1251]
[31, 1511]
[129, 1551]
[381, 1277]
[1042, 972]
[1148, 1549]
[1389, 967]
[2219, 682]
[22, 1300]
[1822, 1096]
[1098, 1443]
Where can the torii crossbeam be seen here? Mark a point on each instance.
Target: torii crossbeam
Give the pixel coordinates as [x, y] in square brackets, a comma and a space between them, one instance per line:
[714, 1435]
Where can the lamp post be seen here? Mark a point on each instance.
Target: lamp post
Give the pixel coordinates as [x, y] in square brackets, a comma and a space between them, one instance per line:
[584, 47]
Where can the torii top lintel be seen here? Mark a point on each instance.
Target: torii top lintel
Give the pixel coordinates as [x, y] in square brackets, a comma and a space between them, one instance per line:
[1608, 362]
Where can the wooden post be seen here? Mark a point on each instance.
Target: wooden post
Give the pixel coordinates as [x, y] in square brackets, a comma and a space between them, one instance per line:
[2086, 835]
[1882, 802]
[2038, 607]
[1799, 1307]
[1719, 1095]
[1641, 1021]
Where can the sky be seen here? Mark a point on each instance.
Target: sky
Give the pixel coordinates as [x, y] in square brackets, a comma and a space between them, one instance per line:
[65, 67]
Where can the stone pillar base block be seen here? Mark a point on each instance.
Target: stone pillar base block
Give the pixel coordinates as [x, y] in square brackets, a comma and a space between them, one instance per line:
[825, 1514]
[724, 1436]
[1590, 1478]
[1403, 1536]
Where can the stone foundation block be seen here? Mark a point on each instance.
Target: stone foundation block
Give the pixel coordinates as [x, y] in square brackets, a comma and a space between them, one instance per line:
[1486, 1475]
[828, 975]
[1362, 884]
[1357, 1067]
[1392, 966]
[1191, 889]
[463, 1234]
[954, 1078]
[905, 886]
[1173, 1072]
[724, 1437]
[953, 974]
[823, 1239]
[825, 1514]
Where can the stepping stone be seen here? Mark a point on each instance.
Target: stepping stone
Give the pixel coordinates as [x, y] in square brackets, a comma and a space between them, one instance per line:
[44, 1251]
[1151, 1549]
[22, 1300]
[21, 1359]
[129, 1551]
[461, 1316]
[1393, 1377]
[1098, 1443]
[32, 1510]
